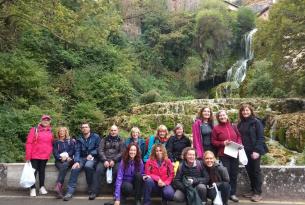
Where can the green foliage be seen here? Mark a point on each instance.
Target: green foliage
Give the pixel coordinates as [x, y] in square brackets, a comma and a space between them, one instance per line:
[11, 149]
[149, 97]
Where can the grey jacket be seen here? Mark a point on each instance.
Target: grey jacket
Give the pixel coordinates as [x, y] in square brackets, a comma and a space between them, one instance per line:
[111, 148]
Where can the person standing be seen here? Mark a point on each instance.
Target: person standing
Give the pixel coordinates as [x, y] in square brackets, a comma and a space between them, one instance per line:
[223, 134]
[252, 134]
[63, 151]
[109, 153]
[85, 158]
[38, 150]
[202, 130]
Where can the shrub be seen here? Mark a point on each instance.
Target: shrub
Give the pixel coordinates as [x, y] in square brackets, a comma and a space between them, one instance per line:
[150, 97]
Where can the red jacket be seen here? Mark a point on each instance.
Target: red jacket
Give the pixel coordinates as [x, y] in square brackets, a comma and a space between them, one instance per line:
[223, 132]
[39, 143]
[165, 172]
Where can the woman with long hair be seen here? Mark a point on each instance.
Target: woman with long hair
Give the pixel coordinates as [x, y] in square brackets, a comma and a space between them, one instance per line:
[219, 175]
[202, 130]
[222, 135]
[252, 135]
[161, 137]
[38, 149]
[129, 177]
[159, 174]
[63, 151]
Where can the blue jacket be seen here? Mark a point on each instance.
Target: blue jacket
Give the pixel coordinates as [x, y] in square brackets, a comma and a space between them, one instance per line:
[85, 147]
[140, 142]
[126, 175]
[64, 146]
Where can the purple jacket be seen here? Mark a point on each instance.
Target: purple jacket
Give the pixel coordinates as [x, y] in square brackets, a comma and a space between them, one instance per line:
[126, 175]
[197, 139]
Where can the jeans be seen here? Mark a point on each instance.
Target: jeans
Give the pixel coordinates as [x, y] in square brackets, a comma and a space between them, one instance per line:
[255, 175]
[232, 166]
[40, 166]
[100, 173]
[167, 192]
[62, 170]
[88, 165]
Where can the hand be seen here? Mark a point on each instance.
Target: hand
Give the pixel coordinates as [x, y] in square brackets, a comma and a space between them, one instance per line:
[106, 164]
[190, 181]
[226, 142]
[116, 202]
[111, 164]
[161, 183]
[64, 159]
[89, 157]
[255, 155]
[145, 177]
[69, 159]
[76, 165]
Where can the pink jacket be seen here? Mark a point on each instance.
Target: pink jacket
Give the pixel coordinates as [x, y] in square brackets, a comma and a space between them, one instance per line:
[165, 172]
[197, 139]
[223, 132]
[39, 144]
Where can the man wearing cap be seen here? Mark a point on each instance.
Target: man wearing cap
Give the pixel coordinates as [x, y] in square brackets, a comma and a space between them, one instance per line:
[85, 158]
[38, 149]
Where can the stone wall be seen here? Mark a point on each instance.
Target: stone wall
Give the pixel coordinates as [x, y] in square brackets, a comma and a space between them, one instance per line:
[278, 180]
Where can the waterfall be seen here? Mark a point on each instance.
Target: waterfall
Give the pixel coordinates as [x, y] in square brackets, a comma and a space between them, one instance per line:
[272, 130]
[237, 72]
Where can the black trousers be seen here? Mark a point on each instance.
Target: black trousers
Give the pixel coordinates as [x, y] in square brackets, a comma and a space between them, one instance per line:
[232, 166]
[100, 174]
[255, 174]
[40, 166]
[133, 188]
[224, 188]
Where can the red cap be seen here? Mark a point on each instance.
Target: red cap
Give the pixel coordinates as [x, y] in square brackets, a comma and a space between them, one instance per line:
[45, 117]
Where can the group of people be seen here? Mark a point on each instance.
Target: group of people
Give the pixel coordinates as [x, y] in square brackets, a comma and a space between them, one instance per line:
[168, 165]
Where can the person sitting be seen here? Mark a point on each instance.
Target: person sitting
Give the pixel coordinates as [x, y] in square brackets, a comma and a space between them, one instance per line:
[160, 138]
[159, 173]
[177, 143]
[219, 175]
[129, 179]
[191, 176]
[85, 158]
[63, 151]
[135, 137]
[109, 152]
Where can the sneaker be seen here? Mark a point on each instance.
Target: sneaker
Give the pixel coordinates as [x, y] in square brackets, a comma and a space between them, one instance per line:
[234, 198]
[42, 190]
[92, 196]
[33, 192]
[248, 195]
[67, 197]
[256, 198]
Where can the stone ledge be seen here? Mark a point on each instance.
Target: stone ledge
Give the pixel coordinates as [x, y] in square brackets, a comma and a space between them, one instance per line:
[278, 181]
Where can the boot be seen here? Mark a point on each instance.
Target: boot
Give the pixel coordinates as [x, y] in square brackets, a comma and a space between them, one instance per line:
[58, 190]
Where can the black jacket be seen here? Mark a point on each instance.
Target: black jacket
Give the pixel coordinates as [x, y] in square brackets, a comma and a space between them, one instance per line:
[198, 173]
[220, 172]
[111, 148]
[174, 147]
[252, 134]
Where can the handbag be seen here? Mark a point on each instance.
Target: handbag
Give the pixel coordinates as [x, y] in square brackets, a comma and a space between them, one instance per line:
[243, 159]
[27, 178]
[109, 176]
[217, 200]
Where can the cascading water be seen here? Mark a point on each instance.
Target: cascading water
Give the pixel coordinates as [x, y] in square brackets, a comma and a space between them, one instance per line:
[237, 73]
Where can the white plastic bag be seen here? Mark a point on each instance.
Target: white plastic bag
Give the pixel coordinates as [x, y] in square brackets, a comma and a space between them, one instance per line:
[109, 175]
[217, 200]
[27, 178]
[243, 159]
